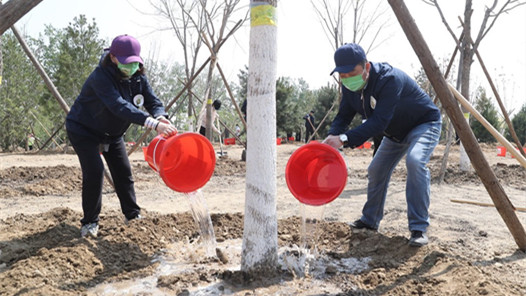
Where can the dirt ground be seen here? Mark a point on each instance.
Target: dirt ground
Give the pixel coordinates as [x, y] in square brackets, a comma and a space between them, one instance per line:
[471, 251]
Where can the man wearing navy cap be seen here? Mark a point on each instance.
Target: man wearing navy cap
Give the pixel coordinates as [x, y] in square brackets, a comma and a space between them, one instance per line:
[393, 104]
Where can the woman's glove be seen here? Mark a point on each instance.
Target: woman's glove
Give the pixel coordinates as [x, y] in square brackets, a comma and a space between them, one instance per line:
[161, 125]
[166, 128]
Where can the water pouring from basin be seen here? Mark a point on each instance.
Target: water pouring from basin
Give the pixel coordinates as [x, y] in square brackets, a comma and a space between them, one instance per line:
[186, 162]
[316, 174]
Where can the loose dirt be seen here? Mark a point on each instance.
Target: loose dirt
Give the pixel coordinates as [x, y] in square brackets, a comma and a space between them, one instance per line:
[471, 251]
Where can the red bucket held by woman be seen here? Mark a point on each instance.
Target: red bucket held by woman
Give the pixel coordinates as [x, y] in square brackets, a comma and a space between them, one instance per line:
[185, 161]
[316, 174]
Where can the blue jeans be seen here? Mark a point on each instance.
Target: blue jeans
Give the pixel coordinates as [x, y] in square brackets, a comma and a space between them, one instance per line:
[417, 146]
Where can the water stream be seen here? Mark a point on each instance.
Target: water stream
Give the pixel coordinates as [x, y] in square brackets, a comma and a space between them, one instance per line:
[203, 221]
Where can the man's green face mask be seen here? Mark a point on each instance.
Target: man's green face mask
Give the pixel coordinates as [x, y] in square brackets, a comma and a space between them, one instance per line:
[353, 83]
[128, 69]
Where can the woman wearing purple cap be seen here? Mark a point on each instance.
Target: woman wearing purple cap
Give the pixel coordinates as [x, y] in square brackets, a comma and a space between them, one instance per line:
[393, 104]
[109, 101]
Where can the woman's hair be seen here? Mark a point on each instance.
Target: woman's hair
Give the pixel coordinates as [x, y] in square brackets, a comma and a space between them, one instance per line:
[107, 62]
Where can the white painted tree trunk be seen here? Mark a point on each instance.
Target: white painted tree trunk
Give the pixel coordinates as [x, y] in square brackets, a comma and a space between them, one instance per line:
[260, 237]
[465, 162]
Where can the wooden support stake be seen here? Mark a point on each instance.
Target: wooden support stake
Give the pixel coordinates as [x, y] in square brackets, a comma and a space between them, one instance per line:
[479, 162]
[482, 204]
[13, 10]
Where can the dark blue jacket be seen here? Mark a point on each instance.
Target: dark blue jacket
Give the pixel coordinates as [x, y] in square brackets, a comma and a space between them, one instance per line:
[105, 109]
[391, 102]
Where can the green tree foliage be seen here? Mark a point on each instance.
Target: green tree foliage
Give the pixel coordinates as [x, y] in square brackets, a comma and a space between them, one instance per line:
[519, 125]
[286, 107]
[21, 86]
[241, 89]
[326, 96]
[69, 55]
[484, 106]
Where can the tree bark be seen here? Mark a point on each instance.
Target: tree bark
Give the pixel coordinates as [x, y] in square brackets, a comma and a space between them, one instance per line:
[465, 63]
[14, 10]
[260, 238]
[1, 57]
[487, 176]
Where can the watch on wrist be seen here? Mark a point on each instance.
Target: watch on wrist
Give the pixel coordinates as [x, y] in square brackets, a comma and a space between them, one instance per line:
[343, 138]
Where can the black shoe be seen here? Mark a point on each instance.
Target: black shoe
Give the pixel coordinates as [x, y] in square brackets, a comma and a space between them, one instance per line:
[358, 224]
[418, 239]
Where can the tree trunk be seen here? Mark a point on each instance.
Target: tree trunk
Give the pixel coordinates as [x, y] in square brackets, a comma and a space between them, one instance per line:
[260, 237]
[209, 133]
[465, 63]
[1, 57]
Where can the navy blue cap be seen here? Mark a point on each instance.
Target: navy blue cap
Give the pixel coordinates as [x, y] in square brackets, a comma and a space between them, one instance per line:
[347, 57]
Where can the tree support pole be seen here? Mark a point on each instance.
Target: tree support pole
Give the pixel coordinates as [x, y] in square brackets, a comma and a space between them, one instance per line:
[227, 85]
[479, 162]
[13, 10]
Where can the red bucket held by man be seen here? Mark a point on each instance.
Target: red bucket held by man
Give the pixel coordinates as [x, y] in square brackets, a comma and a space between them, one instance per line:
[316, 174]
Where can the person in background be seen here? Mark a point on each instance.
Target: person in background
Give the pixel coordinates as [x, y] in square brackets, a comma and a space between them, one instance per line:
[109, 101]
[309, 126]
[238, 130]
[30, 142]
[392, 103]
[244, 109]
[202, 118]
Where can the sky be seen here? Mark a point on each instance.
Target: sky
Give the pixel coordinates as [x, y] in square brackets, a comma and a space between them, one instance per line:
[303, 48]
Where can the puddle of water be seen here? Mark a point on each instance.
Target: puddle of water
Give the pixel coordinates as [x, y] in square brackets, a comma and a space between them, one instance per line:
[298, 260]
[184, 258]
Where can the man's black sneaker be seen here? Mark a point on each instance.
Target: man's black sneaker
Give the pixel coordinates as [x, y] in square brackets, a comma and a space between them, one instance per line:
[358, 224]
[418, 239]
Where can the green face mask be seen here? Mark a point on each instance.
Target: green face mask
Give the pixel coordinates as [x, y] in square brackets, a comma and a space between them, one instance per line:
[353, 83]
[128, 69]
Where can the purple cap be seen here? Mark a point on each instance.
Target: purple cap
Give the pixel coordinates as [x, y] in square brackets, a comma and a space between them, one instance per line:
[347, 57]
[126, 49]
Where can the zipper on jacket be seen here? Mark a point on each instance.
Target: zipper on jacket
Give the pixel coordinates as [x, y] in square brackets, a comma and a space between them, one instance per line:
[363, 105]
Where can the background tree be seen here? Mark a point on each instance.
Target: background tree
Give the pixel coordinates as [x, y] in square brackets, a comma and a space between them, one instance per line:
[369, 18]
[1, 57]
[325, 98]
[486, 108]
[196, 23]
[21, 87]
[468, 46]
[286, 107]
[519, 122]
[69, 55]
[179, 15]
